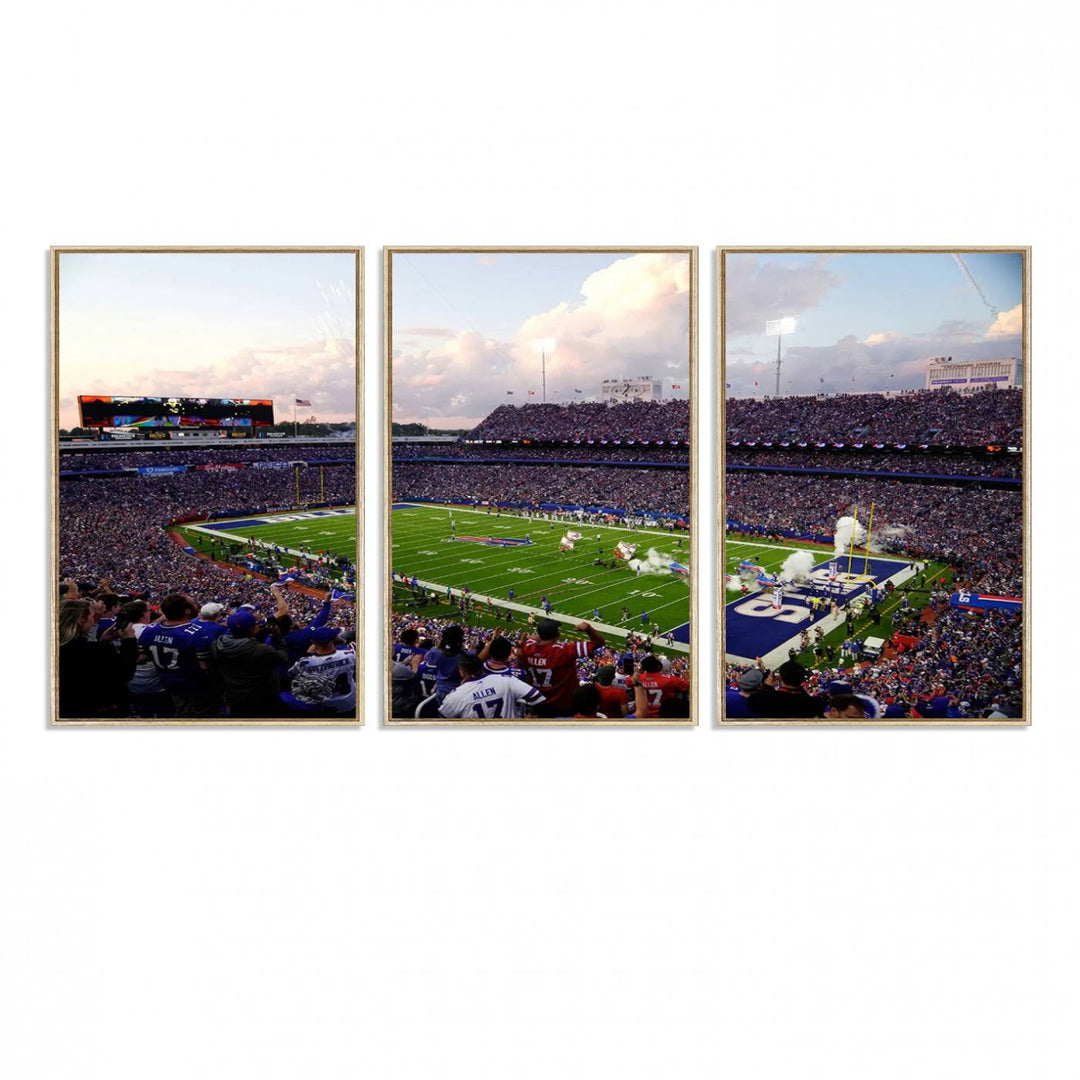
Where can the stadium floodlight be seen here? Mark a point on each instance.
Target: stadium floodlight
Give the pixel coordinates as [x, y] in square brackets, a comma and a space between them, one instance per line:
[778, 328]
[543, 346]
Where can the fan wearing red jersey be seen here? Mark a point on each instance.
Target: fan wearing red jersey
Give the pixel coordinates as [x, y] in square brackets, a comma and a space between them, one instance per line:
[553, 664]
[657, 688]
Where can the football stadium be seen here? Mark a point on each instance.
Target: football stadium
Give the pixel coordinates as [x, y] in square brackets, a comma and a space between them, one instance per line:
[207, 563]
[557, 536]
[873, 554]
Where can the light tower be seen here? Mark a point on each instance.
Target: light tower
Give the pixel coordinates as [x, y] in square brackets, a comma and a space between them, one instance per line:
[543, 346]
[778, 328]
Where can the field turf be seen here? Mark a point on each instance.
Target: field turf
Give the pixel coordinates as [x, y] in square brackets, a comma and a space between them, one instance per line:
[422, 547]
[335, 533]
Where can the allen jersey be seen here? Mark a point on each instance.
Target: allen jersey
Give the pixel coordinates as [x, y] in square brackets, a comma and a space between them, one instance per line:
[496, 696]
[179, 654]
[553, 667]
[659, 687]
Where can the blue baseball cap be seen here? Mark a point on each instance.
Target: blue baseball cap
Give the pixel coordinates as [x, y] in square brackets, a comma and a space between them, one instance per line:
[242, 620]
[323, 635]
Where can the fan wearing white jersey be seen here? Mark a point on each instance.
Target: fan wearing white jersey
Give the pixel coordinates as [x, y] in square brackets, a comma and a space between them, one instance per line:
[486, 696]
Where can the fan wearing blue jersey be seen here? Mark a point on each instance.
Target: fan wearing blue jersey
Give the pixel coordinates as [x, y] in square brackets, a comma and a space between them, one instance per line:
[180, 647]
[407, 648]
[297, 639]
[442, 662]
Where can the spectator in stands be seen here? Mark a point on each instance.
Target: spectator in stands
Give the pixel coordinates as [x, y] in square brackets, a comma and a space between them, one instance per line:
[483, 695]
[737, 699]
[323, 680]
[405, 689]
[249, 669]
[93, 674]
[613, 700]
[787, 700]
[586, 702]
[552, 663]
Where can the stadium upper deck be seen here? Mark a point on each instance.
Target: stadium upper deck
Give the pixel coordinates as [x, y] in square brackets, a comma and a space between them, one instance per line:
[932, 417]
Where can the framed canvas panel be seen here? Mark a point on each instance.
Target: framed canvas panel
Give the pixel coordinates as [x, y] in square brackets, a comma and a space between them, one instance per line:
[207, 501]
[874, 560]
[540, 482]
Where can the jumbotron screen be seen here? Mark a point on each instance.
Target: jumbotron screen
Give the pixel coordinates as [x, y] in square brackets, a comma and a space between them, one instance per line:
[172, 412]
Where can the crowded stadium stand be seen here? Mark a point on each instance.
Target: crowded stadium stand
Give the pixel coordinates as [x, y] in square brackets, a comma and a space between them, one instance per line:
[127, 553]
[939, 634]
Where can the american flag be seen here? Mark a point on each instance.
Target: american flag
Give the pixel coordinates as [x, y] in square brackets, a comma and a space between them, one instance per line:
[304, 402]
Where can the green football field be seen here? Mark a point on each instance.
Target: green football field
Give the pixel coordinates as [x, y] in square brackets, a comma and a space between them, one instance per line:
[300, 530]
[575, 588]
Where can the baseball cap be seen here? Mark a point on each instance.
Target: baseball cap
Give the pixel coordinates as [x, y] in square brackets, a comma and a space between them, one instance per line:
[242, 620]
[211, 611]
[323, 635]
[547, 628]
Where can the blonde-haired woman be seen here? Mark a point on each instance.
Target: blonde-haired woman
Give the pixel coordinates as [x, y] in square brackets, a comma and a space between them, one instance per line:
[93, 674]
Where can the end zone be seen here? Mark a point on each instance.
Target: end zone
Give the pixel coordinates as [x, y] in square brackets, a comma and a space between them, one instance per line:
[753, 627]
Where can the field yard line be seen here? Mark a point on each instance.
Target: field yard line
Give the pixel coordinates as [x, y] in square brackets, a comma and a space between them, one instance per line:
[541, 521]
[785, 547]
[571, 620]
[539, 587]
[242, 539]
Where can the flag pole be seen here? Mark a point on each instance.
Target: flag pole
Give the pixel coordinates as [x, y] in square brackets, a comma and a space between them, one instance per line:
[870, 525]
[854, 530]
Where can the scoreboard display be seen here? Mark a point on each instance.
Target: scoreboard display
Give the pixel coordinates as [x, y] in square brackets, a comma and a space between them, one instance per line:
[172, 412]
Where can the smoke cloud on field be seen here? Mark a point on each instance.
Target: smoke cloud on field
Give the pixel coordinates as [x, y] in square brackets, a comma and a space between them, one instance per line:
[797, 566]
[655, 562]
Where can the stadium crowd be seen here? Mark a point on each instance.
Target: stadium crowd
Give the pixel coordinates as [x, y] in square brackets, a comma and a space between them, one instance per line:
[665, 492]
[997, 466]
[652, 420]
[450, 669]
[922, 416]
[663, 455]
[115, 542]
[975, 529]
[963, 665]
[125, 458]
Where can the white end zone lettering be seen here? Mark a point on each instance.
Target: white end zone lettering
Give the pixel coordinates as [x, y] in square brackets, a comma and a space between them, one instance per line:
[763, 609]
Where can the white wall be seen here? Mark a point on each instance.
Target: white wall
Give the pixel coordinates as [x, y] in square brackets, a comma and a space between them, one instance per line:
[399, 904]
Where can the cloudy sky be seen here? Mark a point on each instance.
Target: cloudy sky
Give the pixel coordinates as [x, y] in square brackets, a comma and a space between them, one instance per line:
[866, 321]
[259, 325]
[469, 327]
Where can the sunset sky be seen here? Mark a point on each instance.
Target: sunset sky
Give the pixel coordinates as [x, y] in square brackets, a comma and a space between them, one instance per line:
[467, 328]
[255, 325]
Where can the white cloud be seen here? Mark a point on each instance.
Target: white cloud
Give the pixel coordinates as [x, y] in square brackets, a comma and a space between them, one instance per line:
[1008, 323]
[632, 319]
[881, 337]
[757, 291]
